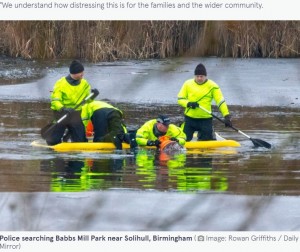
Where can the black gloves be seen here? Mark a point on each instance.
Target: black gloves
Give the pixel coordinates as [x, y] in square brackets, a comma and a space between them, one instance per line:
[67, 110]
[150, 143]
[153, 143]
[174, 139]
[96, 92]
[227, 121]
[193, 105]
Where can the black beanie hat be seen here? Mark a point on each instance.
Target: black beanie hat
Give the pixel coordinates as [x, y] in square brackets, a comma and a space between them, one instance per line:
[200, 70]
[163, 119]
[76, 67]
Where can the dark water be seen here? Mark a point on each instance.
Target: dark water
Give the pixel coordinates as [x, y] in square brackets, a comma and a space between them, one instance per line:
[243, 171]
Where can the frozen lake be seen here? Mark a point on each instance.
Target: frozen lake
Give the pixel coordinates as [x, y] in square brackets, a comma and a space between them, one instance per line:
[248, 189]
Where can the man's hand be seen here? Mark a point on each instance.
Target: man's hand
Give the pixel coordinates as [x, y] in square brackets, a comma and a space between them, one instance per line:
[227, 121]
[95, 91]
[193, 105]
[153, 143]
[67, 110]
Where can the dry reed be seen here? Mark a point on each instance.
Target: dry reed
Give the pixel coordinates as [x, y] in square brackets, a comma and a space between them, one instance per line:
[114, 40]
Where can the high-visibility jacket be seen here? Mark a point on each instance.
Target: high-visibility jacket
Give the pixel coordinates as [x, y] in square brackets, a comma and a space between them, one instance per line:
[66, 95]
[204, 94]
[146, 132]
[88, 110]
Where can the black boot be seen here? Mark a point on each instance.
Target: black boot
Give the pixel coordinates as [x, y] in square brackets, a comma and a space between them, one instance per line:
[117, 142]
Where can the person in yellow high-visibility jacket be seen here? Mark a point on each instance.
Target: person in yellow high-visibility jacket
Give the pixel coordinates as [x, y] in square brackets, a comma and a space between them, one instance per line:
[150, 132]
[201, 91]
[69, 92]
[107, 122]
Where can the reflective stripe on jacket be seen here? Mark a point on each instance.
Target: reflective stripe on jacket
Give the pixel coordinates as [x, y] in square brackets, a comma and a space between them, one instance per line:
[145, 133]
[191, 91]
[67, 95]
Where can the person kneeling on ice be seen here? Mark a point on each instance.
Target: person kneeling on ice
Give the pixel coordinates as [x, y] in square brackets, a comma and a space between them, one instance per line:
[152, 131]
[107, 122]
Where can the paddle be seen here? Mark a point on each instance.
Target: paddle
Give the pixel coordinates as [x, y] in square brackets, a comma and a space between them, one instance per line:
[46, 131]
[256, 142]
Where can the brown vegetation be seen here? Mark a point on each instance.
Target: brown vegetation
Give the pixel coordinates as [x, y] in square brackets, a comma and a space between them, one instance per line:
[113, 40]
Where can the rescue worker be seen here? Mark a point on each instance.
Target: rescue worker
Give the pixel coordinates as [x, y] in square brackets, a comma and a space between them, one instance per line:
[69, 92]
[150, 132]
[107, 122]
[201, 91]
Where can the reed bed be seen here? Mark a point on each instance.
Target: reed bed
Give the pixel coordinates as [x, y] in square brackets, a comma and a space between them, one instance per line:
[115, 40]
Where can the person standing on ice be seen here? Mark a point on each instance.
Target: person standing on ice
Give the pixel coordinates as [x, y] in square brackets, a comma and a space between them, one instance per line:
[201, 91]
